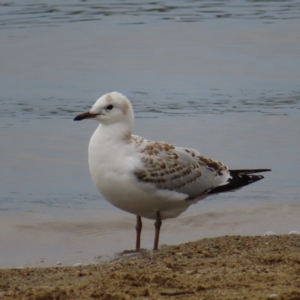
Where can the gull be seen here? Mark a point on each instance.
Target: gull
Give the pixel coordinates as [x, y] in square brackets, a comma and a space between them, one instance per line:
[154, 180]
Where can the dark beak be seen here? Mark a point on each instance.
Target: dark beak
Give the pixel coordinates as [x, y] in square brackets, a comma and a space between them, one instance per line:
[85, 115]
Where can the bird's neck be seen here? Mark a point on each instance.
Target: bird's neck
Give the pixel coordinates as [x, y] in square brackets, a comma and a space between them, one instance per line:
[113, 133]
[108, 144]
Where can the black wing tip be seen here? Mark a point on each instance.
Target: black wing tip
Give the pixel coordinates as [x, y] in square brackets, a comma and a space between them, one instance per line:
[252, 178]
[264, 170]
[249, 171]
[239, 178]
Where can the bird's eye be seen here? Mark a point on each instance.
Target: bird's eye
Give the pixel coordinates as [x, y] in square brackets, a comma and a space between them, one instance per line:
[109, 107]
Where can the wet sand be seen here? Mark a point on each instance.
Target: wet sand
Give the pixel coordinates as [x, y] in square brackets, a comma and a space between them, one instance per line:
[228, 267]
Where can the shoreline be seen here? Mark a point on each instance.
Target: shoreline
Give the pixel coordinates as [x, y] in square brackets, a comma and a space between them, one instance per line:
[248, 267]
[32, 239]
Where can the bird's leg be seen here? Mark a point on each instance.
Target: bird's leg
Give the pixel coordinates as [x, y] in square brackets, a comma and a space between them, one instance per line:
[157, 225]
[138, 228]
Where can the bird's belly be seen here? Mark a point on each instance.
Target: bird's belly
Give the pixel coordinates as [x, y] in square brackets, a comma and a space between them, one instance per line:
[130, 196]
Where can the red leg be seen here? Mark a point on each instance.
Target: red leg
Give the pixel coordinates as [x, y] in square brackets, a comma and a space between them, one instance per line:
[157, 225]
[138, 228]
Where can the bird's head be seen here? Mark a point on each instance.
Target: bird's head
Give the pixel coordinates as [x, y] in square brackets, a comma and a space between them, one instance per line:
[111, 108]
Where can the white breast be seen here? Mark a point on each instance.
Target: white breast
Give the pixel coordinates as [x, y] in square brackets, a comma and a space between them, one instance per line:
[112, 164]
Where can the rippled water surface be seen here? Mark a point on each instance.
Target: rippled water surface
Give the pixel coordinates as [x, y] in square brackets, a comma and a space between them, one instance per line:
[27, 13]
[218, 76]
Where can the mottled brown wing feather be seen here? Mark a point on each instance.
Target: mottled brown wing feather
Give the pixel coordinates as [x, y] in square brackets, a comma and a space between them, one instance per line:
[179, 169]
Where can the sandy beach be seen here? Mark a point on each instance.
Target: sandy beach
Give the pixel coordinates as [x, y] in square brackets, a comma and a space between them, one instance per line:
[228, 267]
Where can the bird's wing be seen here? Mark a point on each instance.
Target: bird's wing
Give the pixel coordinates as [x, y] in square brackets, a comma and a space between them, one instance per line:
[178, 169]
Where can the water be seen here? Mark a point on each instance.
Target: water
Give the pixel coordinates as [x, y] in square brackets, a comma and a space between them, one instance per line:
[218, 76]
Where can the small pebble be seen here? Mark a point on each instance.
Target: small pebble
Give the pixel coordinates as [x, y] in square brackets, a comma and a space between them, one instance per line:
[294, 232]
[77, 265]
[272, 296]
[269, 233]
[190, 272]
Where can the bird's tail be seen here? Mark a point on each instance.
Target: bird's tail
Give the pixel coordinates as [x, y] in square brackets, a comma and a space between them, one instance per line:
[238, 179]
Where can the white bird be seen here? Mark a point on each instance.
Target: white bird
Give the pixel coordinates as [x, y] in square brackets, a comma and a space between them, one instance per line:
[154, 180]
